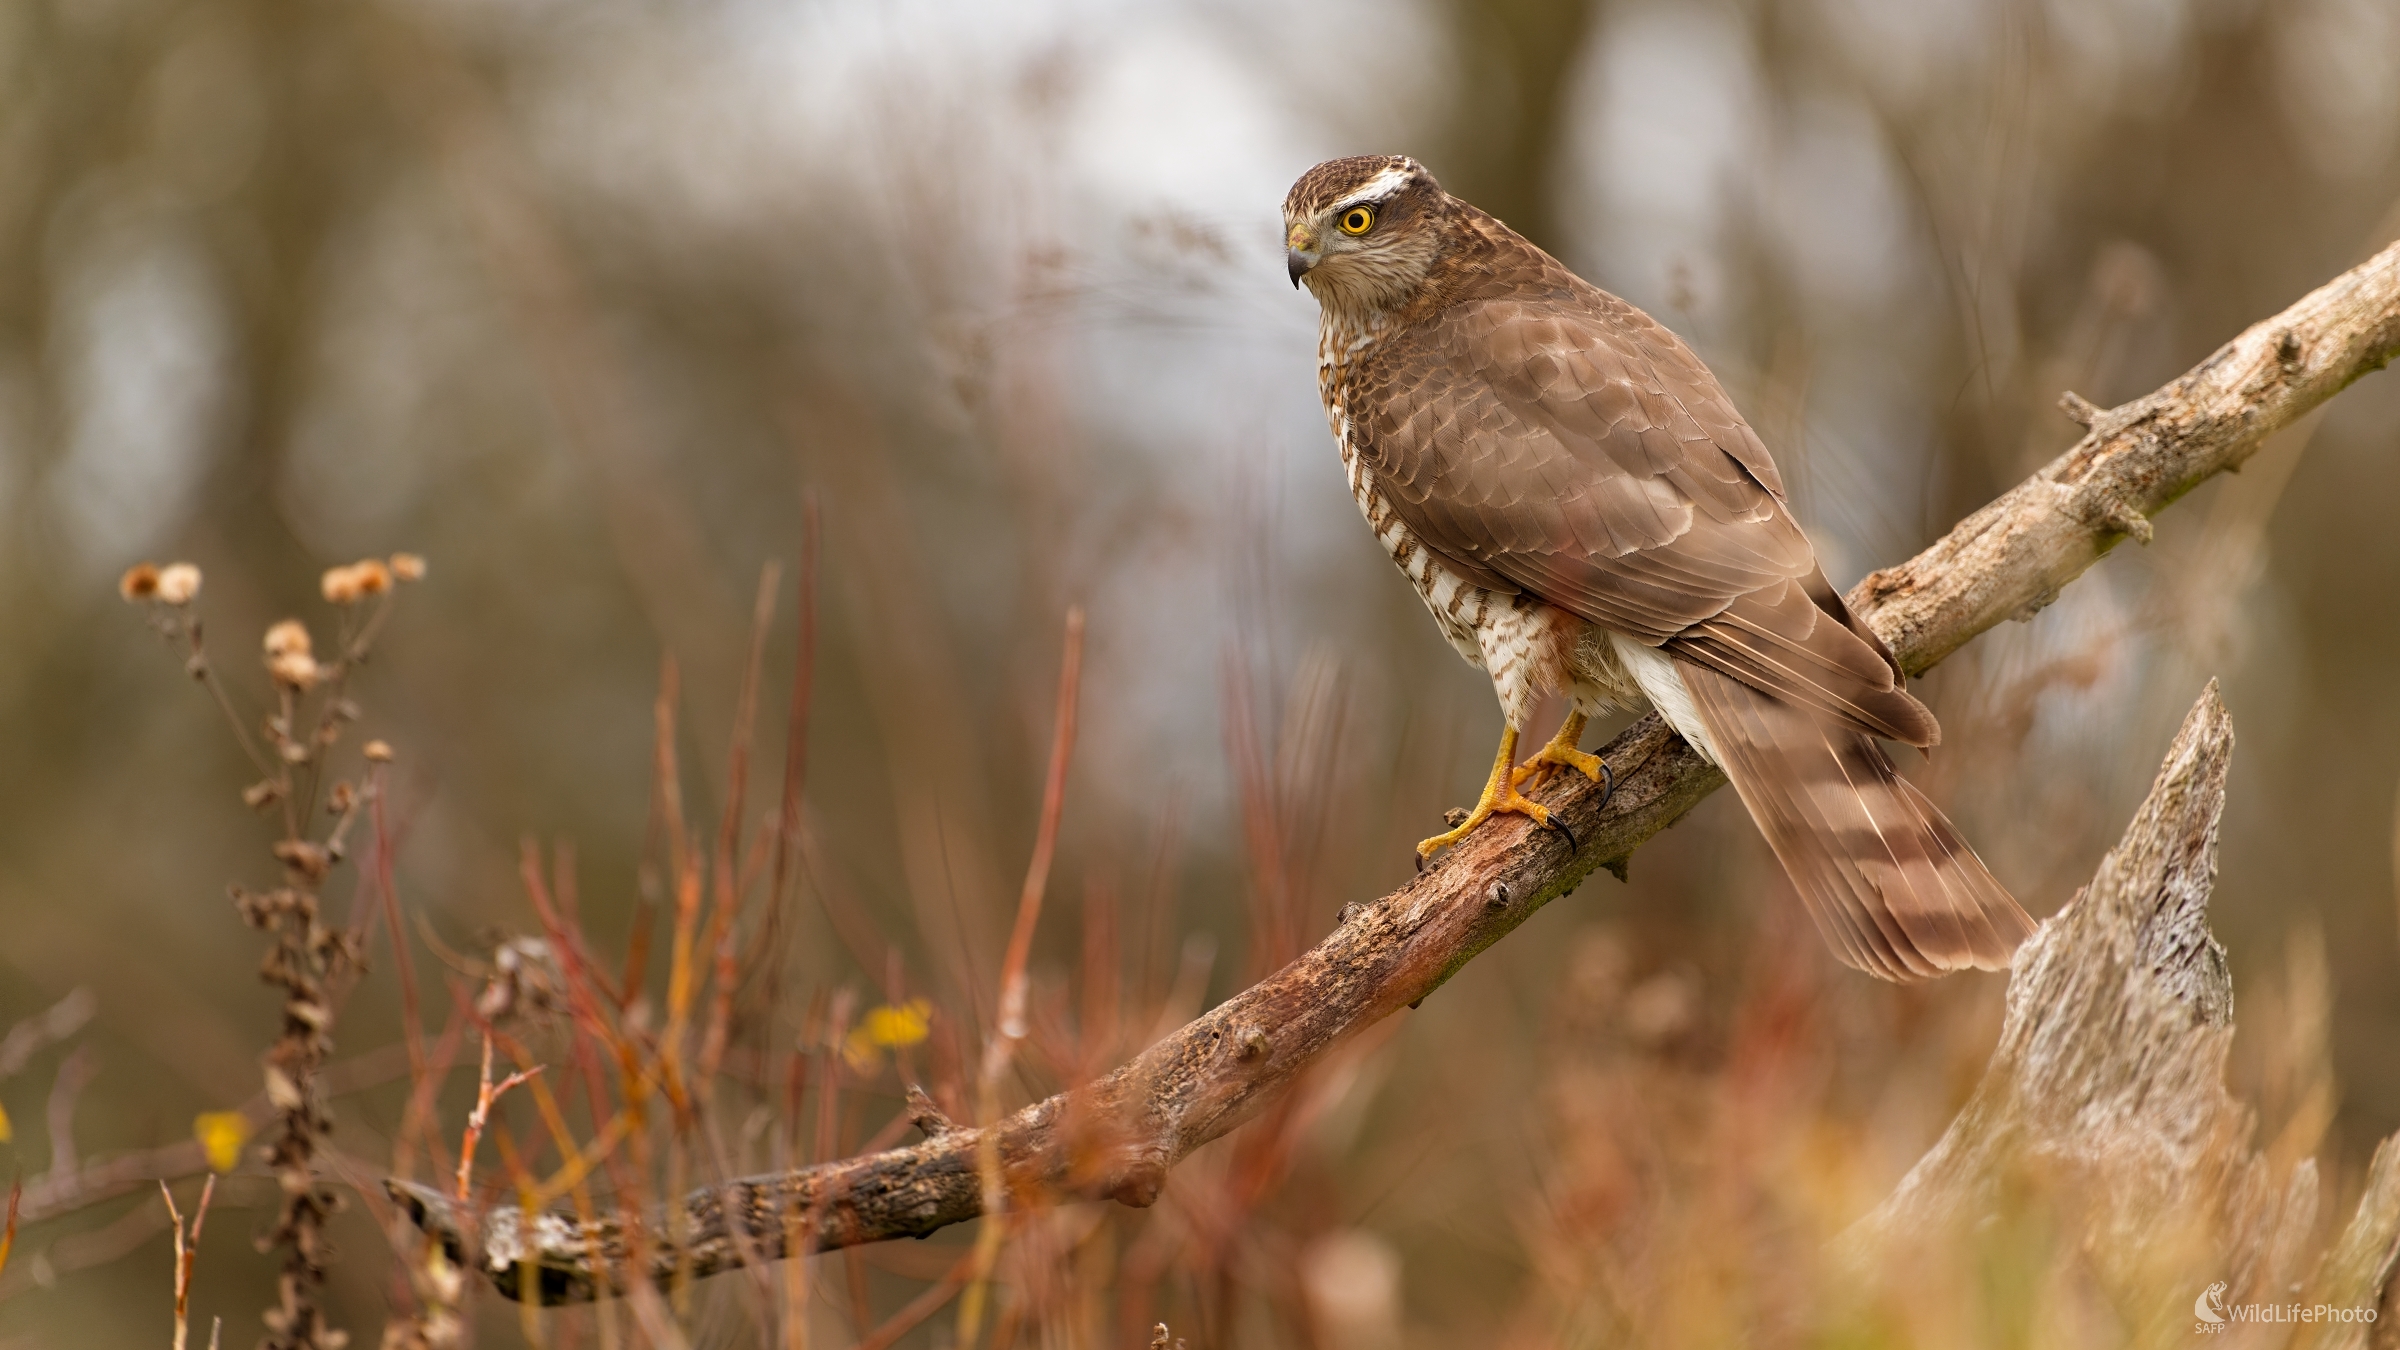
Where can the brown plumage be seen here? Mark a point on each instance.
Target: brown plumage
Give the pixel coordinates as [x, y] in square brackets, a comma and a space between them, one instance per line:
[1583, 510]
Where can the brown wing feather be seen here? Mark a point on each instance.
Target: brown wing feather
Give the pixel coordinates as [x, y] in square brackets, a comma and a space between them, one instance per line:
[1777, 638]
[1551, 438]
[1542, 440]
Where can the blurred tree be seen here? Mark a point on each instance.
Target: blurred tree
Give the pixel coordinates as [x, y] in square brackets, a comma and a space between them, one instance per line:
[1516, 63]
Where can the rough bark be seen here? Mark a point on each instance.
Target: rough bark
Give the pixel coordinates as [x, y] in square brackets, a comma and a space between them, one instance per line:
[1119, 1136]
[2107, 1088]
[2120, 1012]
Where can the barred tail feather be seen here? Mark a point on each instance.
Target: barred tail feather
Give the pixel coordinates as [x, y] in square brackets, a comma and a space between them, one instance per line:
[1893, 887]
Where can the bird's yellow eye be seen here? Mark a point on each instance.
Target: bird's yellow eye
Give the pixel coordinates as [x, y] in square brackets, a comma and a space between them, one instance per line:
[1358, 220]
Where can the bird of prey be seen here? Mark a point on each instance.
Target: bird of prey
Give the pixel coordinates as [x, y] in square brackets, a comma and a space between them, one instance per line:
[1583, 511]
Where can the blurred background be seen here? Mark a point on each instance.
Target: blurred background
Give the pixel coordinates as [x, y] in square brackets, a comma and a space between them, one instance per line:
[586, 301]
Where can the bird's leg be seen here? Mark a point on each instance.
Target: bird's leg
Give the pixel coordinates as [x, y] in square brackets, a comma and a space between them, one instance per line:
[1499, 794]
[1561, 751]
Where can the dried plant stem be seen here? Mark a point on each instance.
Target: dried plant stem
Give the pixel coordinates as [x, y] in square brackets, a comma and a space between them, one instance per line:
[386, 898]
[8, 1228]
[305, 957]
[725, 869]
[307, 960]
[486, 1093]
[924, 1305]
[216, 688]
[187, 1251]
[795, 764]
[1009, 1028]
[1124, 1131]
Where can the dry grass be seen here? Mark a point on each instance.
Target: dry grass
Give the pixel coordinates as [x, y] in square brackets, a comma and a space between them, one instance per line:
[1708, 1124]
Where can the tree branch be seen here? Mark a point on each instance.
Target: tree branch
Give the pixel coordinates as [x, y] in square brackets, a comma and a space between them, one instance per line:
[2011, 558]
[1119, 1136]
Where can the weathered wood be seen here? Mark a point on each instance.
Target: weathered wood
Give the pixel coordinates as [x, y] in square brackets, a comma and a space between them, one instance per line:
[2106, 1091]
[1118, 1137]
[2358, 1270]
[2120, 1012]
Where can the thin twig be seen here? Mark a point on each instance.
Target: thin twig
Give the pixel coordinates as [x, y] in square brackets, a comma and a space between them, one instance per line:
[75, 1074]
[1009, 1029]
[198, 666]
[924, 1305]
[387, 892]
[725, 865]
[8, 1233]
[485, 1094]
[63, 1019]
[795, 762]
[187, 1251]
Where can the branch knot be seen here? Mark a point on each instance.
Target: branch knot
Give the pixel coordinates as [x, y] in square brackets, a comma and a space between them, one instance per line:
[926, 1115]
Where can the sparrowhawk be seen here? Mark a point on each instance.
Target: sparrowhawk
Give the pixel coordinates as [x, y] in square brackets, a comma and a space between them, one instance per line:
[1584, 512]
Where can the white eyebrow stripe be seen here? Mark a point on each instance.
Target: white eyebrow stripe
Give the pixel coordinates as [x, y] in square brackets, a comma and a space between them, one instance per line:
[1377, 188]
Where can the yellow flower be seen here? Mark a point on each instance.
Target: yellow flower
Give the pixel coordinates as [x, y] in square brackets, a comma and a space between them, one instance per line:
[886, 1027]
[221, 1135]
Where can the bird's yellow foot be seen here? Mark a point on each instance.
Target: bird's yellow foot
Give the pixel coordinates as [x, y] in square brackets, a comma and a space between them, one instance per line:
[1560, 752]
[1499, 794]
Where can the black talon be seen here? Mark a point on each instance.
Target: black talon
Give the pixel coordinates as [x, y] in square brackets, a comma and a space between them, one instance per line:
[1561, 826]
[1608, 782]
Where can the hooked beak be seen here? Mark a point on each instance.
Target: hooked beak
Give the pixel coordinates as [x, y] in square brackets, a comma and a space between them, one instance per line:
[1300, 252]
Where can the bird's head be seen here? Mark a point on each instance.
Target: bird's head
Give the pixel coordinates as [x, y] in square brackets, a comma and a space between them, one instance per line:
[1363, 231]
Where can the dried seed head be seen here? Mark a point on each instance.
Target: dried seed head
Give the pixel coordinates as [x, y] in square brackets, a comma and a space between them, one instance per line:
[282, 1091]
[178, 583]
[352, 583]
[408, 567]
[289, 637]
[289, 656]
[308, 858]
[379, 752]
[140, 582]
